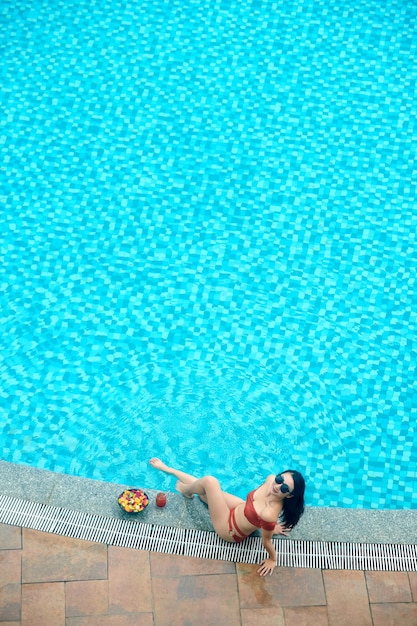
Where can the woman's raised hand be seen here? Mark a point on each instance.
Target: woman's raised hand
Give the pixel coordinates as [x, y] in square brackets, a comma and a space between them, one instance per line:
[280, 529]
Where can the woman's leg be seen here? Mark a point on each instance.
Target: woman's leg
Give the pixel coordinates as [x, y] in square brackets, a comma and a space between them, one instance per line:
[209, 490]
[231, 500]
[182, 476]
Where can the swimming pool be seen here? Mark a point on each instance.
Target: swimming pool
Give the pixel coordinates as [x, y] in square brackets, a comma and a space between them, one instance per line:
[208, 242]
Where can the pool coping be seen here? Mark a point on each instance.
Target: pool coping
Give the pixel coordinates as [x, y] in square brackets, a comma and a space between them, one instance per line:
[98, 497]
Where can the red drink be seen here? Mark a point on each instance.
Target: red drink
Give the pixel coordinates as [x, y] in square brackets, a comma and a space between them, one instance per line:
[161, 499]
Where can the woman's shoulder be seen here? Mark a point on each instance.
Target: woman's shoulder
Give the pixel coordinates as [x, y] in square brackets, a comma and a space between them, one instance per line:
[267, 480]
[261, 490]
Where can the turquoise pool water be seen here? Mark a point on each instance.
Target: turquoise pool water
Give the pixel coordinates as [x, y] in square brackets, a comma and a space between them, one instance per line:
[208, 242]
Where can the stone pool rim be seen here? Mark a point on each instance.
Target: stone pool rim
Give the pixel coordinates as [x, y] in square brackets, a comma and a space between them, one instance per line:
[94, 496]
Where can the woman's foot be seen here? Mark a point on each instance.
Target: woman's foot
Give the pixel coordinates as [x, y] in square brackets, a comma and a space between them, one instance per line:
[182, 488]
[159, 465]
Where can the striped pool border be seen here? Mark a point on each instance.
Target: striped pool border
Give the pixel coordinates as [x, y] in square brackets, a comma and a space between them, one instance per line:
[204, 544]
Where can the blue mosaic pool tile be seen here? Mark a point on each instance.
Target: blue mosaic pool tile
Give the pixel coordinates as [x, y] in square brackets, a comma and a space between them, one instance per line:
[209, 218]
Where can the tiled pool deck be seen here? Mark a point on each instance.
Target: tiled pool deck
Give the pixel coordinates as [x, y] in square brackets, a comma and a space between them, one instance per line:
[47, 579]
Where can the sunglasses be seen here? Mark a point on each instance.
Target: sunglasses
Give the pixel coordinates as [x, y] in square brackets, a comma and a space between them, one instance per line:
[283, 486]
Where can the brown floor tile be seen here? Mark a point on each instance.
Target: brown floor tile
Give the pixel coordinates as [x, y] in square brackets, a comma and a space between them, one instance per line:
[263, 617]
[172, 565]
[394, 614]
[347, 598]
[10, 577]
[47, 557]
[65, 583]
[286, 587]
[203, 600]
[133, 619]
[386, 587]
[10, 537]
[43, 604]
[412, 577]
[129, 581]
[306, 616]
[86, 597]
[254, 591]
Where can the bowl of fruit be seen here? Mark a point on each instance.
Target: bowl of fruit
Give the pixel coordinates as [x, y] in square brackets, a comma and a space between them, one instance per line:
[133, 500]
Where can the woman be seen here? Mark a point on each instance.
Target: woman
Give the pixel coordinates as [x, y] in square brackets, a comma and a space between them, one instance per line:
[235, 519]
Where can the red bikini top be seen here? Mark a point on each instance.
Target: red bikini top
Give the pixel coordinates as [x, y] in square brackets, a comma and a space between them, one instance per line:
[252, 516]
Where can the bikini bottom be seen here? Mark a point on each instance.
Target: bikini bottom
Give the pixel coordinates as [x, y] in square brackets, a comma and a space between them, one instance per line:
[234, 527]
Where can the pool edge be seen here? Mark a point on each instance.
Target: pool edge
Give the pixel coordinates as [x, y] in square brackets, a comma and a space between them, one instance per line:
[98, 497]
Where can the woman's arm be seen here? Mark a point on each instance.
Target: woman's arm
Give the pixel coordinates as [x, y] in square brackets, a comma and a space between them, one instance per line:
[268, 565]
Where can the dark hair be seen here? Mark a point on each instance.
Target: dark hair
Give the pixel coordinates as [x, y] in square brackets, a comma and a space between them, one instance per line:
[293, 507]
